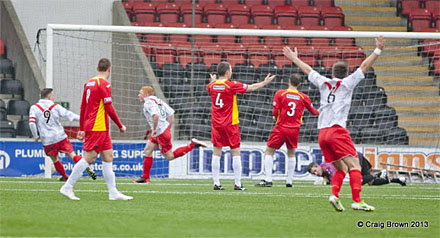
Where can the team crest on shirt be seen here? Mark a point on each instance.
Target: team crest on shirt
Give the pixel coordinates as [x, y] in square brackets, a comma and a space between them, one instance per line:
[91, 83]
[109, 99]
[294, 97]
[219, 87]
[245, 86]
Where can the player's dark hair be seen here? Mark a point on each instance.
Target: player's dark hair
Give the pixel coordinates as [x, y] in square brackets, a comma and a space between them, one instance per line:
[295, 79]
[222, 68]
[45, 92]
[340, 69]
[104, 64]
[311, 165]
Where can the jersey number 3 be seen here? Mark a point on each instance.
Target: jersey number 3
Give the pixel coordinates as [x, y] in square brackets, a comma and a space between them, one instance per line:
[292, 106]
[219, 101]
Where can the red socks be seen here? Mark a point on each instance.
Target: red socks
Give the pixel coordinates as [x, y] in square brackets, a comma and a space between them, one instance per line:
[148, 163]
[60, 169]
[356, 184]
[77, 158]
[183, 150]
[337, 181]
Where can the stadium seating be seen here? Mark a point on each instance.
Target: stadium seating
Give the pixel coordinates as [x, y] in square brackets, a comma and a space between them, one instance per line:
[262, 15]
[397, 136]
[285, 15]
[144, 12]
[186, 12]
[238, 14]
[167, 12]
[419, 19]
[215, 13]
[432, 5]
[6, 67]
[332, 16]
[309, 16]
[18, 107]
[300, 2]
[405, 6]
[252, 57]
[324, 3]
[23, 128]
[7, 129]
[12, 87]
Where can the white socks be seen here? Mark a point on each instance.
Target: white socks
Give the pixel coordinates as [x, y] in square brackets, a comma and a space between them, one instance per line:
[77, 172]
[236, 165]
[215, 164]
[290, 169]
[109, 176]
[268, 165]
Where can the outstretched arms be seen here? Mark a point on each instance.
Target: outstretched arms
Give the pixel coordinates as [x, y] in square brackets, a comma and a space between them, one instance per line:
[293, 56]
[259, 85]
[369, 61]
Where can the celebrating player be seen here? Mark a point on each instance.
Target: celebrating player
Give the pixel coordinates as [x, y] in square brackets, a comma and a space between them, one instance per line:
[224, 114]
[288, 108]
[328, 170]
[334, 139]
[44, 122]
[160, 117]
[96, 107]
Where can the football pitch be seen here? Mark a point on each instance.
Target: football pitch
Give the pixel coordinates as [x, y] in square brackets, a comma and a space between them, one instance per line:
[33, 207]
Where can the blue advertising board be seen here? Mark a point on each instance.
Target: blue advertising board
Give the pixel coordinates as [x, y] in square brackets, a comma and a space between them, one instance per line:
[26, 158]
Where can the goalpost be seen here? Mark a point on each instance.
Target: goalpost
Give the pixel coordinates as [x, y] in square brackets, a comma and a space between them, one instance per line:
[385, 118]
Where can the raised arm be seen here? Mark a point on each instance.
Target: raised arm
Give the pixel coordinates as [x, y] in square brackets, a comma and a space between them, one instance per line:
[369, 61]
[259, 85]
[293, 56]
[64, 113]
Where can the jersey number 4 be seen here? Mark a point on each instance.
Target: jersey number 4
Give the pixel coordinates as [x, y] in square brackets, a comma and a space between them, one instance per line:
[219, 101]
[292, 106]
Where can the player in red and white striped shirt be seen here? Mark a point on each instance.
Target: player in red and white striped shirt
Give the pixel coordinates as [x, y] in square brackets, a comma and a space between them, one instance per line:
[288, 109]
[44, 122]
[334, 139]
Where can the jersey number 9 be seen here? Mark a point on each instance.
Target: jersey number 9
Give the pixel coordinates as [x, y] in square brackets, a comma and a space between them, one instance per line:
[46, 115]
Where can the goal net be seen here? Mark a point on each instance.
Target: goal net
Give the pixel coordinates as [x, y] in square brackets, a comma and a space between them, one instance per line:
[395, 106]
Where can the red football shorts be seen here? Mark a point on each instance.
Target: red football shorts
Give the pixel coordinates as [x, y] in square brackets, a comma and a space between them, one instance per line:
[163, 140]
[226, 136]
[62, 146]
[97, 141]
[281, 135]
[336, 143]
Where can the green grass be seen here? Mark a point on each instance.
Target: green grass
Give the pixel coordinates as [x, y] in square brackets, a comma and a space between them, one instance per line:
[190, 208]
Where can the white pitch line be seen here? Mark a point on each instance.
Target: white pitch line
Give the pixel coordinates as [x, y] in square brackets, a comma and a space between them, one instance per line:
[241, 193]
[208, 184]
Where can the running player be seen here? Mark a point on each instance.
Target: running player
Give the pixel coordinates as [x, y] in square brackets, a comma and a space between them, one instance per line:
[224, 115]
[44, 122]
[160, 117]
[334, 139]
[288, 109]
[96, 107]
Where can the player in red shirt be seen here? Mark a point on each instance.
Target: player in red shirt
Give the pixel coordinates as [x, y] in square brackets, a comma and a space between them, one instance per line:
[224, 116]
[288, 109]
[96, 107]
